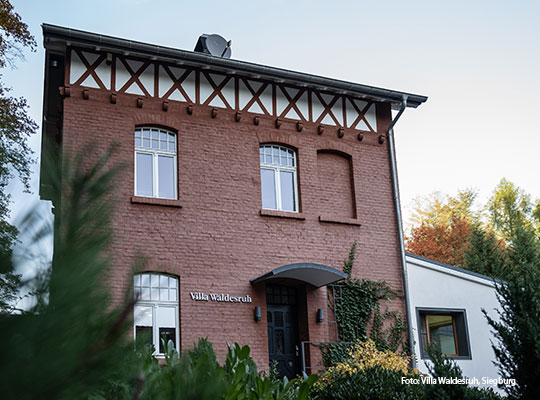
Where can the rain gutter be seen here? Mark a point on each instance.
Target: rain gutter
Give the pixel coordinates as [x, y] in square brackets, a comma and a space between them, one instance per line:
[397, 205]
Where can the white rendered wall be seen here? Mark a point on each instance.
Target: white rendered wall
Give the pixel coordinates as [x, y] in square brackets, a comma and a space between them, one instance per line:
[435, 286]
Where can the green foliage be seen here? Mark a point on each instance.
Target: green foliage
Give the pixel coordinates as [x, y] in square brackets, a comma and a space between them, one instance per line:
[391, 337]
[349, 262]
[510, 207]
[371, 383]
[359, 298]
[194, 376]
[9, 287]
[379, 376]
[484, 253]
[14, 34]
[15, 154]
[71, 341]
[442, 367]
[518, 329]
[244, 382]
[357, 303]
[439, 209]
[72, 344]
[197, 376]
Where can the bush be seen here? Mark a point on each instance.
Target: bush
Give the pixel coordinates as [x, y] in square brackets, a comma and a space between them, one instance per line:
[369, 373]
[445, 368]
[197, 375]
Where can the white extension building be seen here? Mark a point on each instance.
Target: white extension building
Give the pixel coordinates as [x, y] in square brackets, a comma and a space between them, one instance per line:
[446, 305]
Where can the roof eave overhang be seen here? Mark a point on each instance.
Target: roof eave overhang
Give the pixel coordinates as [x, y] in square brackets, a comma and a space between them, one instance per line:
[58, 38]
[314, 274]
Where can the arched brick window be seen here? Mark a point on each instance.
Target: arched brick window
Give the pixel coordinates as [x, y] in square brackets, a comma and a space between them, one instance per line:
[279, 187]
[156, 311]
[155, 163]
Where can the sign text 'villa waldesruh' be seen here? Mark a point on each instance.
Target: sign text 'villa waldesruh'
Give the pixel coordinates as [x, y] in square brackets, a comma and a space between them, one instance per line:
[220, 298]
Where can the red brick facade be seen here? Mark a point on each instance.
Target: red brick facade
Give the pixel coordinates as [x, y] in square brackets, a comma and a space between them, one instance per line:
[218, 240]
[216, 237]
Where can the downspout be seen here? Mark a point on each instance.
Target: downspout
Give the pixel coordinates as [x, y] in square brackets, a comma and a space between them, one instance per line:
[397, 205]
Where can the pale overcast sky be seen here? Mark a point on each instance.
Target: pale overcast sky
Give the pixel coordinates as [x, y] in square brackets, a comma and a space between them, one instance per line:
[478, 61]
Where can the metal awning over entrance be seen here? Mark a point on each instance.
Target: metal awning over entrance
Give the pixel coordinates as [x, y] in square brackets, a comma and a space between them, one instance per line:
[315, 274]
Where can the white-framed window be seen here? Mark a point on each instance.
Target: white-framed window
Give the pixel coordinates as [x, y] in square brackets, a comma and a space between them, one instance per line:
[156, 310]
[155, 163]
[279, 187]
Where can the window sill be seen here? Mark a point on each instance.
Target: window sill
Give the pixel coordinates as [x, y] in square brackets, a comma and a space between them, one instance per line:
[157, 202]
[337, 220]
[282, 214]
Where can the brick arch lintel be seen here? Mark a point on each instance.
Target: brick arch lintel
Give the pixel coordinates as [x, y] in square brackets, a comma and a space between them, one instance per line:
[155, 119]
[330, 145]
[278, 138]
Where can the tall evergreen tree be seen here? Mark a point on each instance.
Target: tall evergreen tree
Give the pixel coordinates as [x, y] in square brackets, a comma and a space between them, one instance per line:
[518, 327]
[485, 253]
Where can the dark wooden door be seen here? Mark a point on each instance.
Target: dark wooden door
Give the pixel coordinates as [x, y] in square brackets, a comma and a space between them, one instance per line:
[283, 344]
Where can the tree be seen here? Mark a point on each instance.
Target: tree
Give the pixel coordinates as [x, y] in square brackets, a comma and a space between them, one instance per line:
[15, 154]
[510, 207]
[440, 209]
[518, 329]
[485, 253]
[443, 224]
[440, 242]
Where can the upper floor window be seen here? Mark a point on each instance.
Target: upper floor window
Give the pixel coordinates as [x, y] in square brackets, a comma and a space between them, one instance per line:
[278, 178]
[155, 163]
[156, 311]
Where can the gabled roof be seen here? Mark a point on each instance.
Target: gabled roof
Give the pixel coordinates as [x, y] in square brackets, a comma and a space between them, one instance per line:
[57, 37]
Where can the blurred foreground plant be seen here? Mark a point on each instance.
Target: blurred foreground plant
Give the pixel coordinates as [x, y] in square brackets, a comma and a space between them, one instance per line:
[72, 344]
[71, 340]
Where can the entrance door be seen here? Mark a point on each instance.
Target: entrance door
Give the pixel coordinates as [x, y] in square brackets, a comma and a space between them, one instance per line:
[283, 343]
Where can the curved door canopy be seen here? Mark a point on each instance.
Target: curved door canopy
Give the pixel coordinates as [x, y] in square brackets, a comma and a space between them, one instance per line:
[317, 275]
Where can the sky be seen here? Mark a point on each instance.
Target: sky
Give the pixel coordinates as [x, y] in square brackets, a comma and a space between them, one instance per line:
[478, 61]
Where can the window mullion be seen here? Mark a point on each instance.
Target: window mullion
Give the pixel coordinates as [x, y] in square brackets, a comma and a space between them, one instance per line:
[277, 188]
[155, 330]
[175, 176]
[135, 174]
[295, 188]
[156, 174]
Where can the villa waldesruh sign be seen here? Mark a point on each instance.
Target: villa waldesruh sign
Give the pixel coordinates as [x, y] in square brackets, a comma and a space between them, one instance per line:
[219, 297]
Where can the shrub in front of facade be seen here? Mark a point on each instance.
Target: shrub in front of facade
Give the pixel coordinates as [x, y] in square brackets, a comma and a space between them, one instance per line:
[444, 368]
[368, 373]
[197, 375]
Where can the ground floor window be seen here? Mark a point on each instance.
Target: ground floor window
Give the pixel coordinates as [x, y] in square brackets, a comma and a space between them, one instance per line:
[444, 328]
[156, 311]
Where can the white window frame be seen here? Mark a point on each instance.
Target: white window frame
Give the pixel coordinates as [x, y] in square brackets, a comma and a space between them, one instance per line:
[155, 153]
[277, 168]
[155, 305]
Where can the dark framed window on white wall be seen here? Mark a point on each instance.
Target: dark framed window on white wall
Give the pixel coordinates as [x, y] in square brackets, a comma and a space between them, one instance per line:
[279, 180]
[155, 163]
[445, 329]
[156, 311]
